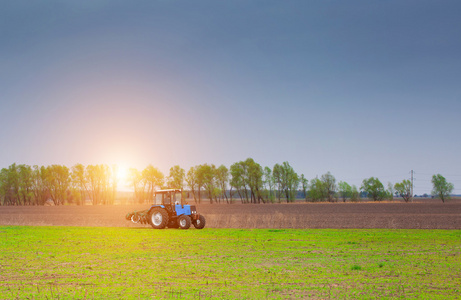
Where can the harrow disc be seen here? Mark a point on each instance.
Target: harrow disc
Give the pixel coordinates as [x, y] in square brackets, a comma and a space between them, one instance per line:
[135, 218]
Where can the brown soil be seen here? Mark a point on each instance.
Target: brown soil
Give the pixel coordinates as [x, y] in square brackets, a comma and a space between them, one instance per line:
[427, 215]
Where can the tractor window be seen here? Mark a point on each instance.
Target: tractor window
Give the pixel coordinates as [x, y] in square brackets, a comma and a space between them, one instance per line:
[158, 199]
[167, 198]
[177, 199]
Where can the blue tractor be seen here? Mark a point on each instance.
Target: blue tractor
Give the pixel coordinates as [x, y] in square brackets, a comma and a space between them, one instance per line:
[169, 210]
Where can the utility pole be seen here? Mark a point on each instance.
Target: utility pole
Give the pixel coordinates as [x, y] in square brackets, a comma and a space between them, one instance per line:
[411, 196]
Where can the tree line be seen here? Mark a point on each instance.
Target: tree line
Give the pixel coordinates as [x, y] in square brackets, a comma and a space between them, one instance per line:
[245, 181]
[26, 185]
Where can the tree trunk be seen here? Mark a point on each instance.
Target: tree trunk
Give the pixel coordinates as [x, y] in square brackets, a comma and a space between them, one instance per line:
[193, 195]
[240, 195]
[210, 195]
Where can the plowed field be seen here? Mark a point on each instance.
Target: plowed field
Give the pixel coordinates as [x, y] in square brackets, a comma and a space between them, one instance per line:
[426, 215]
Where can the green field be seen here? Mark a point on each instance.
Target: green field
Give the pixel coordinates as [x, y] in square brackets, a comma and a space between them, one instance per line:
[97, 263]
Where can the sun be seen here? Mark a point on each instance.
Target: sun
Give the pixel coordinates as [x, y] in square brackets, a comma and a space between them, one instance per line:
[122, 174]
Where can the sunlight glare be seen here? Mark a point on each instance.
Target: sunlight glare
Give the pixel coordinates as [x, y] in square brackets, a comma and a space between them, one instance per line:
[122, 174]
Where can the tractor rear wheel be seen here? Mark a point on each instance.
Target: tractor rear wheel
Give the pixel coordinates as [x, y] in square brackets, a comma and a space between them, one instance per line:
[184, 222]
[158, 218]
[200, 223]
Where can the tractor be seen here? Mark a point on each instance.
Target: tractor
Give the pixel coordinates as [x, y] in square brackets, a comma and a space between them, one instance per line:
[169, 210]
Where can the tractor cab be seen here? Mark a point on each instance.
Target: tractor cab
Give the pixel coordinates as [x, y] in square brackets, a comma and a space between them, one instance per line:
[168, 197]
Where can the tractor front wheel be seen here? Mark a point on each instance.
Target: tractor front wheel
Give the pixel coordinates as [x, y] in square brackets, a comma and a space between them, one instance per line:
[184, 222]
[200, 222]
[158, 218]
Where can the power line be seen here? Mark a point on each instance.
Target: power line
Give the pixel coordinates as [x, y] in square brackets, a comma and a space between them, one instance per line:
[379, 177]
[445, 175]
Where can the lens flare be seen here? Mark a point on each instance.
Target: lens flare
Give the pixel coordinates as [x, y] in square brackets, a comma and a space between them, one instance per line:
[122, 175]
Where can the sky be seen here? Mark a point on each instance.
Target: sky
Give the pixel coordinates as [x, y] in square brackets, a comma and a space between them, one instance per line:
[355, 88]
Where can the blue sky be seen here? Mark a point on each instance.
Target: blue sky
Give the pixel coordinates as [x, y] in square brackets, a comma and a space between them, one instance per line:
[357, 88]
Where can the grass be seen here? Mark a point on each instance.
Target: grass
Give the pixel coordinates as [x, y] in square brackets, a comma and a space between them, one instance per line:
[356, 267]
[101, 263]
